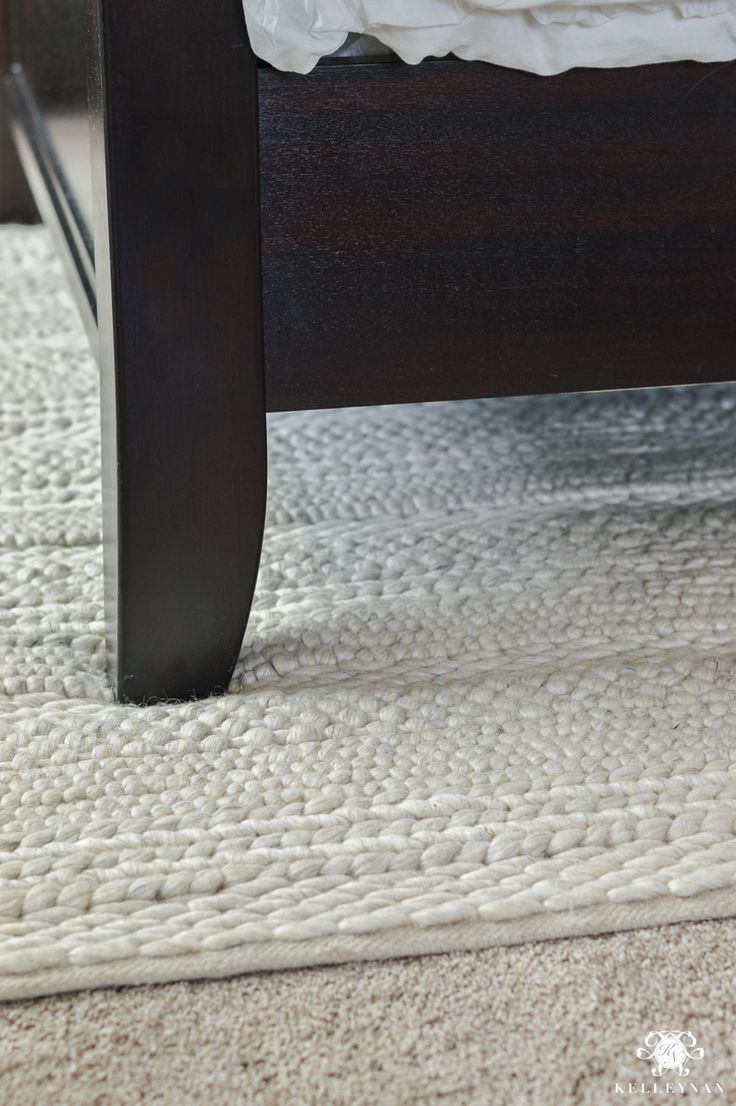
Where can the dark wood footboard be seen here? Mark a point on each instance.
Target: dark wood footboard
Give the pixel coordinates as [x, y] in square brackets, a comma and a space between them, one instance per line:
[379, 233]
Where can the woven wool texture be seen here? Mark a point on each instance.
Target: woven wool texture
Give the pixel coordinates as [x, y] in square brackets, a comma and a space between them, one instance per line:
[487, 693]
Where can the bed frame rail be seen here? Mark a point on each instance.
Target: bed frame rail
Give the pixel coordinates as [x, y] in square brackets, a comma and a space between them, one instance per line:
[536, 234]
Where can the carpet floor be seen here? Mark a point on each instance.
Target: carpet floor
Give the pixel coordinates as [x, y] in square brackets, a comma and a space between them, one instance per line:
[487, 693]
[555, 1023]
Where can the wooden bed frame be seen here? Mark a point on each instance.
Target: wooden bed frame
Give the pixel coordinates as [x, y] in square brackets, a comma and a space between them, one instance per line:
[241, 241]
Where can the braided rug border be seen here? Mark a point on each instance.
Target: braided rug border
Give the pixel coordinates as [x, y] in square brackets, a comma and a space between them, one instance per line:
[320, 952]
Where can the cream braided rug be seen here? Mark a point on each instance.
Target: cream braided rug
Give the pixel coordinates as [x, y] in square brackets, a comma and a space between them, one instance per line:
[487, 693]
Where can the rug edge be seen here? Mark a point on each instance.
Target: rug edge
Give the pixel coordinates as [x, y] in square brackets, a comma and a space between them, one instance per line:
[461, 937]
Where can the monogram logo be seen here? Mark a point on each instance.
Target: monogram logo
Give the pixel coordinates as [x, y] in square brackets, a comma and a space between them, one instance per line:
[670, 1050]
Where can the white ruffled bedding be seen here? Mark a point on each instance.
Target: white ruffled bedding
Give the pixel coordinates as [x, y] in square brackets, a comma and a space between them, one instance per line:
[541, 36]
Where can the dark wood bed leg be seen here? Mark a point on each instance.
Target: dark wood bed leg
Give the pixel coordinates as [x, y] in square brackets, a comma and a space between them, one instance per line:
[16, 202]
[177, 254]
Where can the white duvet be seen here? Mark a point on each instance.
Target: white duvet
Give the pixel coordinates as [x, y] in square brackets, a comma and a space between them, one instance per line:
[542, 36]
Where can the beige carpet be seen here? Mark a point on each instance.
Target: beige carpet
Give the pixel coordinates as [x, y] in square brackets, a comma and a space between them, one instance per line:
[551, 1024]
[487, 693]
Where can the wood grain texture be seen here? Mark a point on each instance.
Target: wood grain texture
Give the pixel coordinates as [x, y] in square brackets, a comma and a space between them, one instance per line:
[175, 155]
[438, 232]
[458, 230]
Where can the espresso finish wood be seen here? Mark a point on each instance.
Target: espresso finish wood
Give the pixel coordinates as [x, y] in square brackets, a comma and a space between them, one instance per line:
[175, 155]
[433, 232]
[457, 230]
